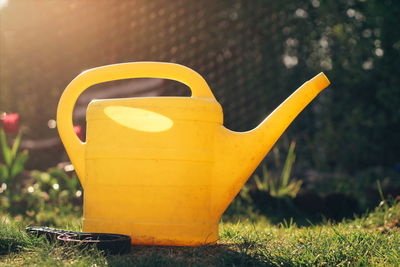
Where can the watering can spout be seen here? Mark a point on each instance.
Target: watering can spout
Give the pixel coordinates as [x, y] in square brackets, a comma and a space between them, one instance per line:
[241, 152]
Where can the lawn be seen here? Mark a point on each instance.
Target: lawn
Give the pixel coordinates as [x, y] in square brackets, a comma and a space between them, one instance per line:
[373, 239]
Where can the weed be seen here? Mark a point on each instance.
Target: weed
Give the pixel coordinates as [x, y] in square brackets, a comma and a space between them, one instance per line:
[281, 186]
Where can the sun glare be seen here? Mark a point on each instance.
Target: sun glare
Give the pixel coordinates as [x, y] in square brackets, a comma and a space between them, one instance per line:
[139, 119]
[3, 3]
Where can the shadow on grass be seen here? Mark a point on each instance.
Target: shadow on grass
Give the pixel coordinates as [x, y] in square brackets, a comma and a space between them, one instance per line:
[305, 209]
[209, 255]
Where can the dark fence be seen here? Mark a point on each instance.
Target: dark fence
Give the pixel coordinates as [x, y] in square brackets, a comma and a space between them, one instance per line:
[252, 53]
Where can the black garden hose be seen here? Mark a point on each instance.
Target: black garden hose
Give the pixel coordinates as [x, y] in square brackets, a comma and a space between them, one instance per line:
[109, 243]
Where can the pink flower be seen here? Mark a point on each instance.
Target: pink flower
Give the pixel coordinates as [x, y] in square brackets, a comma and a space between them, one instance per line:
[78, 131]
[10, 123]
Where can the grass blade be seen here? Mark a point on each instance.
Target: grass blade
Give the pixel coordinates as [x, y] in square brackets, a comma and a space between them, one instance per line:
[15, 145]
[5, 149]
[287, 168]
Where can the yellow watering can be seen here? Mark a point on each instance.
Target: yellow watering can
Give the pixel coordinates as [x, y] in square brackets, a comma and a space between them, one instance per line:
[163, 169]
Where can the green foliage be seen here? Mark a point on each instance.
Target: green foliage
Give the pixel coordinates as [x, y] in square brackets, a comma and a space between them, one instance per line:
[14, 160]
[12, 239]
[36, 197]
[18, 248]
[47, 198]
[282, 186]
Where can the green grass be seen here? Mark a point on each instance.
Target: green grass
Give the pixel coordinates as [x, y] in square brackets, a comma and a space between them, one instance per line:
[373, 239]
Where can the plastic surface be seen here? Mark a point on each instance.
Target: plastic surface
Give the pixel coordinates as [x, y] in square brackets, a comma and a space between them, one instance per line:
[163, 169]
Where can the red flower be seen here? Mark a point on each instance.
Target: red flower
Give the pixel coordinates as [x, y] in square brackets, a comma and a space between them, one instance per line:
[78, 131]
[10, 123]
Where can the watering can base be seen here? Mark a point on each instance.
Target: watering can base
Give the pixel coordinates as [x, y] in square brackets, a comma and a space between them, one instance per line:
[157, 234]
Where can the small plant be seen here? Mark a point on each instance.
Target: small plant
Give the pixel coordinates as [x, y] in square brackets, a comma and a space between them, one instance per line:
[281, 186]
[46, 198]
[52, 196]
[14, 160]
[49, 197]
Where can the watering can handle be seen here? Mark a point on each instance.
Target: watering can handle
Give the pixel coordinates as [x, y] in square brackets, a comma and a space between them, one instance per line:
[75, 148]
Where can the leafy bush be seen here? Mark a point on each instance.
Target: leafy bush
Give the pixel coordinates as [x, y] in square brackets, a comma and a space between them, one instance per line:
[49, 198]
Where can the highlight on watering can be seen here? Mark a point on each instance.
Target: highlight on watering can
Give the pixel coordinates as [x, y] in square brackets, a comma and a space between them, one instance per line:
[139, 119]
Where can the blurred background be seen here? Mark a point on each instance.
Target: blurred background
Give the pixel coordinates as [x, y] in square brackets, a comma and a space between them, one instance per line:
[253, 54]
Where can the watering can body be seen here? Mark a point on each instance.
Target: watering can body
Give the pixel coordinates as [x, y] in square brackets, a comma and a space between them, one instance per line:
[162, 169]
